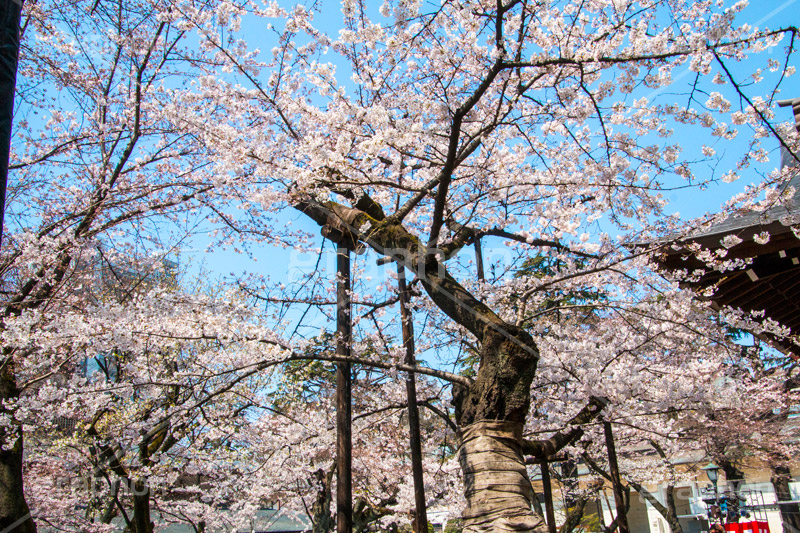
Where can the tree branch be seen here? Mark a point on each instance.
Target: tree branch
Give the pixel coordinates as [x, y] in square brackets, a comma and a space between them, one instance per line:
[545, 448]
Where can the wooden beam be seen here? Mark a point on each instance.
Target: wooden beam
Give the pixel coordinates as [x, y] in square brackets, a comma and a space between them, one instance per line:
[616, 482]
[344, 441]
[421, 521]
[479, 259]
[547, 488]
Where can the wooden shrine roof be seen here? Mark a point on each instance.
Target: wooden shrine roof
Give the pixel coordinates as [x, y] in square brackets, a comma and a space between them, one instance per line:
[770, 282]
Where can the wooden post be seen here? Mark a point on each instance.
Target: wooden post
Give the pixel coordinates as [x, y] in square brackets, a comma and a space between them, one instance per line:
[547, 488]
[344, 444]
[479, 259]
[10, 14]
[616, 483]
[421, 522]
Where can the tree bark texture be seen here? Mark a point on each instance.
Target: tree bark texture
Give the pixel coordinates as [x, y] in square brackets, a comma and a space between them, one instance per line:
[15, 517]
[790, 512]
[491, 412]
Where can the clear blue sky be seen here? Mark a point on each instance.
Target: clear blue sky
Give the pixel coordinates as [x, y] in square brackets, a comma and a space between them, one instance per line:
[281, 264]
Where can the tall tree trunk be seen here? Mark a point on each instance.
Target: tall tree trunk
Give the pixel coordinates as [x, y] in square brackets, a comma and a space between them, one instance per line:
[491, 413]
[790, 512]
[321, 510]
[15, 517]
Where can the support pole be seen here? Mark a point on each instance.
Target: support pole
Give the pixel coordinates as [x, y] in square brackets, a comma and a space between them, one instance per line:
[10, 14]
[616, 483]
[344, 444]
[479, 259]
[421, 522]
[547, 487]
[15, 516]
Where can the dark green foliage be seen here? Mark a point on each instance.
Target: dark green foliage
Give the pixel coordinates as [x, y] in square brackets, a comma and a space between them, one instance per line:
[544, 266]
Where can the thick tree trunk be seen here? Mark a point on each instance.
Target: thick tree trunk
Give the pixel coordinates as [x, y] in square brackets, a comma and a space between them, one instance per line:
[15, 517]
[497, 489]
[790, 512]
[321, 510]
[491, 413]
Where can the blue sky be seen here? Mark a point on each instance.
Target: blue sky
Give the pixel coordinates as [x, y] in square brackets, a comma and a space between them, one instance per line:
[283, 265]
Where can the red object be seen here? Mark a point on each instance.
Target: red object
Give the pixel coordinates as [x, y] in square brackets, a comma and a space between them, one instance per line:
[756, 526]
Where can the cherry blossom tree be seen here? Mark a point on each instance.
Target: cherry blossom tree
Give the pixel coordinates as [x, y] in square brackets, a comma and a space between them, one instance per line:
[542, 124]
[97, 171]
[190, 409]
[416, 132]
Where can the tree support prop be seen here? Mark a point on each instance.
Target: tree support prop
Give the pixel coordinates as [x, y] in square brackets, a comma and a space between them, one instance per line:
[344, 443]
[547, 487]
[421, 521]
[10, 15]
[616, 483]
